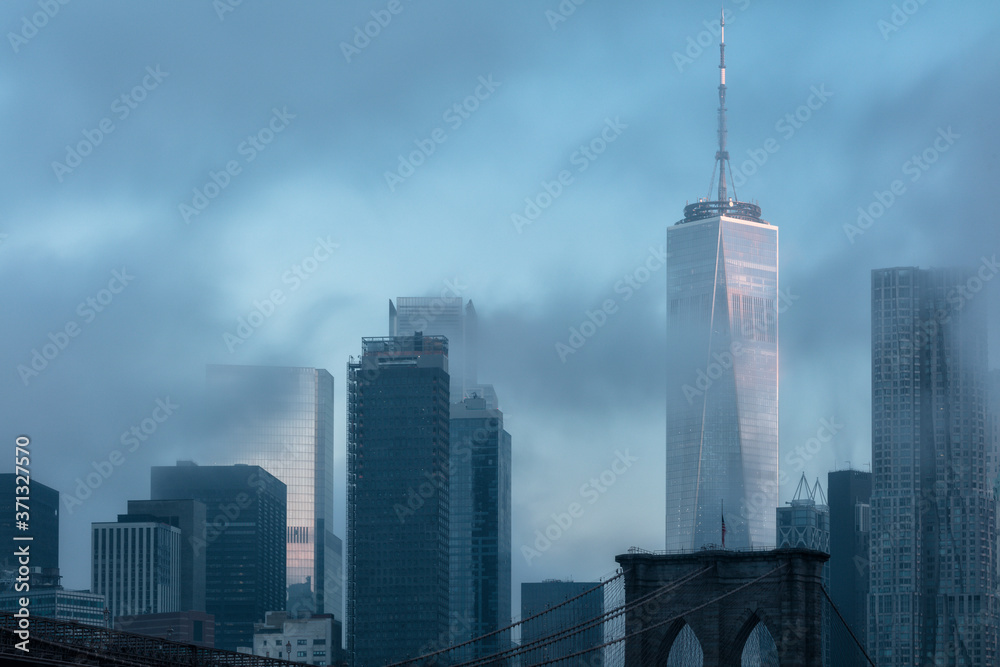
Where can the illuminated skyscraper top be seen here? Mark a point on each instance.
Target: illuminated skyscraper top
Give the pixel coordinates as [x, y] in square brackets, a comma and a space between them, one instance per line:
[722, 350]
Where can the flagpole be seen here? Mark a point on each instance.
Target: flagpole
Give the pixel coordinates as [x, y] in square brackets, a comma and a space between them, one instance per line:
[723, 523]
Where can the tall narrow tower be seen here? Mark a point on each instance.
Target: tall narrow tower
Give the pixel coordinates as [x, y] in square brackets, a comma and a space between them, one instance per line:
[722, 382]
[398, 492]
[933, 595]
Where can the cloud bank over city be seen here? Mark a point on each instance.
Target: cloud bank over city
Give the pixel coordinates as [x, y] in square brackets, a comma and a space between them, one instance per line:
[248, 183]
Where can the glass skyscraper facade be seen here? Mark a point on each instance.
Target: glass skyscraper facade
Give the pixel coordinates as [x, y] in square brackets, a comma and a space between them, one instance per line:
[282, 420]
[443, 316]
[243, 542]
[398, 446]
[480, 526]
[933, 596]
[722, 402]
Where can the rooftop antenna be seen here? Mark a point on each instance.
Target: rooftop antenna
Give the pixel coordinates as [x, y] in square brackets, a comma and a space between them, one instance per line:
[722, 155]
[725, 204]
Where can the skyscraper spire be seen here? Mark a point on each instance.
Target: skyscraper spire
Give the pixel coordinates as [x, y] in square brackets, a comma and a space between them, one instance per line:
[722, 156]
[725, 203]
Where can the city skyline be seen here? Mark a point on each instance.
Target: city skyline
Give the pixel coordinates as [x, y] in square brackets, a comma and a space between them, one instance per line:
[447, 229]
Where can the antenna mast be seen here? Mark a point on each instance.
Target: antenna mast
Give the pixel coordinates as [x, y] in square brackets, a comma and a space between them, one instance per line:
[726, 204]
[722, 156]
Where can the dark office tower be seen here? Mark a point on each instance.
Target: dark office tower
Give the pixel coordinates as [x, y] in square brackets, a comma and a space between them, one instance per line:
[537, 597]
[443, 316]
[397, 498]
[43, 528]
[244, 541]
[480, 525]
[189, 516]
[722, 351]
[281, 419]
[933, 593]
[849, 493]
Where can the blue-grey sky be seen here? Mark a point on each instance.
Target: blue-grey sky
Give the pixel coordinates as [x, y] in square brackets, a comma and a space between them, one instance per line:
[176, 162]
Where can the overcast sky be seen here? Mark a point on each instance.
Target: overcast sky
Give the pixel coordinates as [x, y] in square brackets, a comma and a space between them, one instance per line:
[177, 161]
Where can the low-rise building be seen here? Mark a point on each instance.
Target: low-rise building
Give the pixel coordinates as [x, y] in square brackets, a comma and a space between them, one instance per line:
[312, 641]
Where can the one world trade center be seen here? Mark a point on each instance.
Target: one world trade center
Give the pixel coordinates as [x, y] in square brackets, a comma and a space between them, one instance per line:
[722, 347]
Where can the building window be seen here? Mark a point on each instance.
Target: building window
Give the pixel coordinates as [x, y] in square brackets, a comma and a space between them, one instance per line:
[300, 654]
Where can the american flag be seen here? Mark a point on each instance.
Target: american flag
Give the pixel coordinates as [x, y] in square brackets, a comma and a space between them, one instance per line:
[723, 524]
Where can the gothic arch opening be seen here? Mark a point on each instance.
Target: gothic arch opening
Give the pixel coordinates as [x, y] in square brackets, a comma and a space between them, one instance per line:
[683, 646]
[759, 649]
